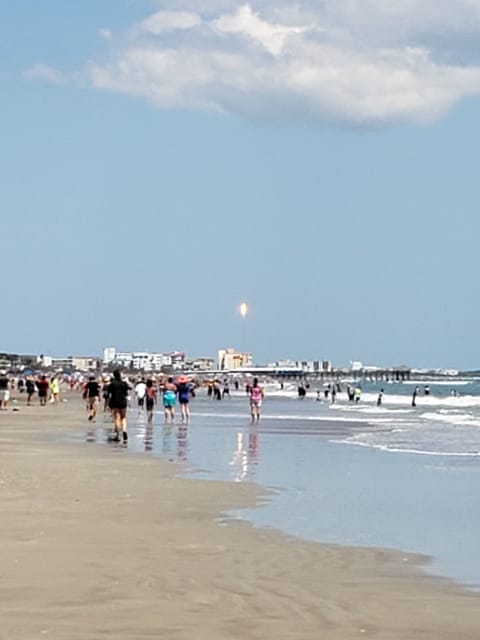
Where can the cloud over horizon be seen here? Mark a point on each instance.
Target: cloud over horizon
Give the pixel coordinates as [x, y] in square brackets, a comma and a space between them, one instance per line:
[356, 62]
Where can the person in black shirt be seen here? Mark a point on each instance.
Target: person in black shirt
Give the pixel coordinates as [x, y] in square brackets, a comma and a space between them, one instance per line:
[4, 391]
[30, 389]
[117, 401]
[92, 394]
[414, 397]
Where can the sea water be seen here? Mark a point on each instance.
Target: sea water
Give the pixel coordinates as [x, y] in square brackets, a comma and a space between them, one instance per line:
[392, 476]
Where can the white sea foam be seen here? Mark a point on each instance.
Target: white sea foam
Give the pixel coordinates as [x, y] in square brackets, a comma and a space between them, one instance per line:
[397, 400]
[389, 449]
[453, 418]
[452, 382]
[440, 424]
[296, 418]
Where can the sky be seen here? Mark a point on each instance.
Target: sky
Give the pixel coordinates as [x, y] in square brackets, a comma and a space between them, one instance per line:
[163, 162]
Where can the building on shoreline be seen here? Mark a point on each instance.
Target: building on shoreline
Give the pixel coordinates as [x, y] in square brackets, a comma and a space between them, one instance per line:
[308, 366]
[18, 362]
[143, 360]
[201, 364]
[230, 359]
[75, 363]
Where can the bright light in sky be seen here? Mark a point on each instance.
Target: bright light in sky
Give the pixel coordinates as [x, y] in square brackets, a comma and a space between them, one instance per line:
[243, 309]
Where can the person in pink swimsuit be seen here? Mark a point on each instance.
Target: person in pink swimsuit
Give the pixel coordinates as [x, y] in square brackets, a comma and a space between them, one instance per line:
[256, 397]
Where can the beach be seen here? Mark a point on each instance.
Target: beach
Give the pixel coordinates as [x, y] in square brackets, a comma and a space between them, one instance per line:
[98, 542]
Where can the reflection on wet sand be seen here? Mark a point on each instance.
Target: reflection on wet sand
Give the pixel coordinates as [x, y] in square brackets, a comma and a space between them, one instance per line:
[176, 443]
[182, 443]
[149, 437]
[168, 442]
[246, 455]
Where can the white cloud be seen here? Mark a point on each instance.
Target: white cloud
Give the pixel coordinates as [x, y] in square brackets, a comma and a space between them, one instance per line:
[45, 73]
[273, 37]
[350, 61]
[165, 21]
[106, 34]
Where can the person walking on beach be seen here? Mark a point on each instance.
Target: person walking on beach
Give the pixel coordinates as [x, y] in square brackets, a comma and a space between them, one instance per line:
[117, 401]
[380, 398]
[357, 394]
[414, 397]
[105, 395]
[92, 395]
[4, 391]
[54, 390]
[183, 390]
[217, 394]
[43, 386]
[256, 397]
[30, 389]
[140, 391]
[150, 399]
[226, 388]
[169, 397]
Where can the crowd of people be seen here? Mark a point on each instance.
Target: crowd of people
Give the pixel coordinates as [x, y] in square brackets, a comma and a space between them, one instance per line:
[118, 394]
[117, 398]
[47, 389]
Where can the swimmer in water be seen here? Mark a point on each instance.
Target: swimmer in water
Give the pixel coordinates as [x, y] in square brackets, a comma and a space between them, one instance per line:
[414, 397]
[380, 398]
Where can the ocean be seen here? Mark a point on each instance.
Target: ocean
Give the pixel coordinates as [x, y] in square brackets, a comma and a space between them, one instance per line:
[393, 476]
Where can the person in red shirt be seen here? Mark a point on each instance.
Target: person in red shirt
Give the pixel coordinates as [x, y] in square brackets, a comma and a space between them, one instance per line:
[43, 386]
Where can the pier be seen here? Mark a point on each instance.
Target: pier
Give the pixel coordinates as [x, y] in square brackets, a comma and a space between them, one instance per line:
[284, 374]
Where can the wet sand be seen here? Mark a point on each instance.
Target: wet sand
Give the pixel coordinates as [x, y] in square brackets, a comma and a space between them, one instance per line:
[98, 543]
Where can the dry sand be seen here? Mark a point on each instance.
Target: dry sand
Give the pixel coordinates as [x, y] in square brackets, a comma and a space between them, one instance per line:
[97, 543]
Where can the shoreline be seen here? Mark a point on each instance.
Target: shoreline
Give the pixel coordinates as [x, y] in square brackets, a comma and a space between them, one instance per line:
[98, 543]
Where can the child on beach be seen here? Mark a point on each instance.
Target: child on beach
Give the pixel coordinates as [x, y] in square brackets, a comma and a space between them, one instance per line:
[150, 399]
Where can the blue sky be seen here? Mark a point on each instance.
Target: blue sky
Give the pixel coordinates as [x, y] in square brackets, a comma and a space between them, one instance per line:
[143, 200]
